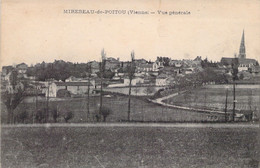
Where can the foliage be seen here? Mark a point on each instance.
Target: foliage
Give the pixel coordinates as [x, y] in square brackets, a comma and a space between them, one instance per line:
[235, 69]
[22, 115]
[164, 60]
[105, 112]
[40, 115]
[58, 70]
[108, 74]
[149, 90]
[68, 115]
[241, 76]
[63, 93]
[55, 114]
[206, 64]
[14, 78]
[11, 101]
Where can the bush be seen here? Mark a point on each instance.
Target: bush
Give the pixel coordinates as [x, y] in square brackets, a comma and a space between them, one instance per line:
[22, 116]
[55, 114]
[68, 115]
[63, 93]
[40, 115]
[105, 112]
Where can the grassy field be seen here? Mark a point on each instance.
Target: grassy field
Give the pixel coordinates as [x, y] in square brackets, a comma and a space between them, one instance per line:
[215, 97]
[129, 147]
[141, 110]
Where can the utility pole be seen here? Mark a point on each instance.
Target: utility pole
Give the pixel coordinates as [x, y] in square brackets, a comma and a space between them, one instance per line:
[47, 104]
[234, 74]
[36, 102]
[234, 100]
[131, 72]
[88, 115]
[102, 70]
[226, 106]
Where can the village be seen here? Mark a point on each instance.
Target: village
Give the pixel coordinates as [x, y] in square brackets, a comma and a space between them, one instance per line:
[130, 84]
[161, 73]
[175, 84]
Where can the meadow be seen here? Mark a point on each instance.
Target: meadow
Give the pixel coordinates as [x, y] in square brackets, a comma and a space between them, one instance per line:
[209, 97]
[141, 110]
[214, 97]
[63, 147]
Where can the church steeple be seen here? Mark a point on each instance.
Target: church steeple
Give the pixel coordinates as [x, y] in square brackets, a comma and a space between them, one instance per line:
[242, 49]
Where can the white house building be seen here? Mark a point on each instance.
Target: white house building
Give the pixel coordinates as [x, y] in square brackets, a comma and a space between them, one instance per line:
[77, 88]
[161, 80]
[135, 81]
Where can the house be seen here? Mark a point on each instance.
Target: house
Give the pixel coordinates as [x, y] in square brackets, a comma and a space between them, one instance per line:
[161, 80]
[7, 77]
[76, 88]
[22, 68]
[135, 81]
[198, 59]
[149, 67]
[112, 63]
[6, 70]
[244, 64]
[188, 70]
[255, 69]
[140, 61]
[10, 89]
[144, 67]
[94, 66]
[74, 79]
[176, 63]
[125, 64]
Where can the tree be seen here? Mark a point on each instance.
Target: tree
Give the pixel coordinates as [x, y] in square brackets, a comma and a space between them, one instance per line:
[13, 97]
[137, 89]
[130, 72]
[14, 78]
[102, 68]
[149, 90]
[241, 76]
[235, 69]
[105, 112]
[235, 77]
[68, 115]
[89, 71]
[55, 114]
[22, 115]
[40, 115]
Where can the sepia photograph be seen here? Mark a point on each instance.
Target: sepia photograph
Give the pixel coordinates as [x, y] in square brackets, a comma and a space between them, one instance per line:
[130, 84]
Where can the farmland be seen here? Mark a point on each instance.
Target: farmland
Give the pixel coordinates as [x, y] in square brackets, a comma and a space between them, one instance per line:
[141, 110]
[214, 97]
[61, 147]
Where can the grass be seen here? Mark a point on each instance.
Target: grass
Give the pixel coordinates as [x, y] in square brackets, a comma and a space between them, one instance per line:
[145, 111]
[129, 147]
[141, 110]
[214, 98]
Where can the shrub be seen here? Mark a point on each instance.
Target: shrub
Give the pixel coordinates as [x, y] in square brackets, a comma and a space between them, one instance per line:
[22, 116]
[55, 114]
[40, 115]
[68, 115]
[105, 112]
[63, 93]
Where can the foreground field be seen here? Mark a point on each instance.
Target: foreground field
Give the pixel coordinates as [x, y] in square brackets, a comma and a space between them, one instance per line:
[129, 147]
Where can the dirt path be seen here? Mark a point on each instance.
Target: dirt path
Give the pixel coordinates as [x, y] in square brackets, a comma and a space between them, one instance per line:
[160, 101]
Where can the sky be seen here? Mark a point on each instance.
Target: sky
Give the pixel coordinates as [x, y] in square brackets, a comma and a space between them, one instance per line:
[33, 31]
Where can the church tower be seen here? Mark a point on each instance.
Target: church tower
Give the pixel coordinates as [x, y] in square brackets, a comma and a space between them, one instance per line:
[242, 49]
